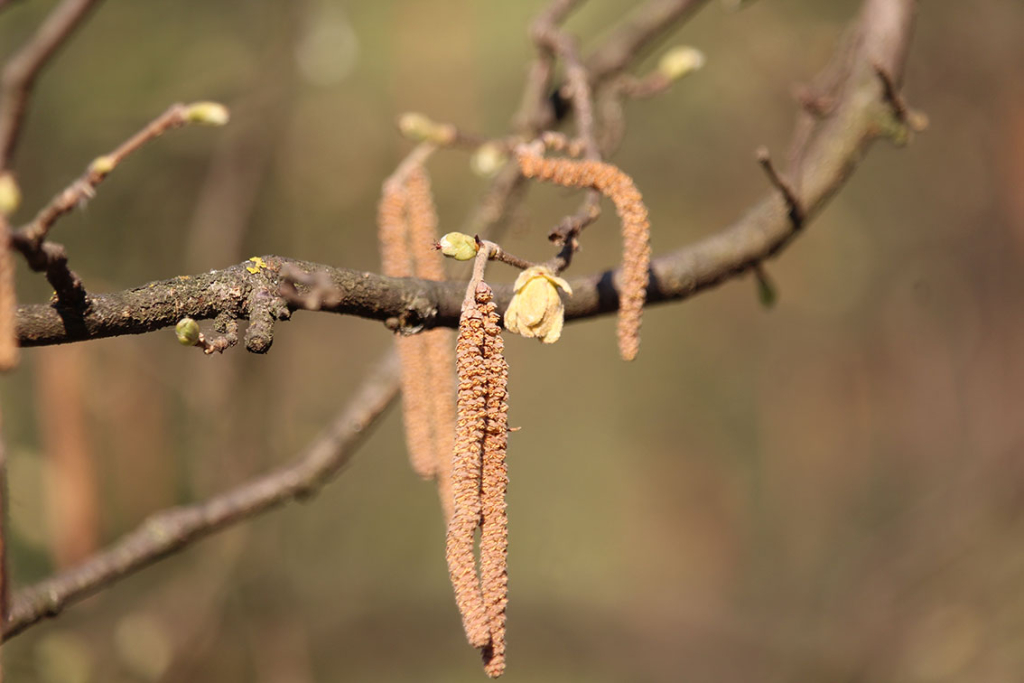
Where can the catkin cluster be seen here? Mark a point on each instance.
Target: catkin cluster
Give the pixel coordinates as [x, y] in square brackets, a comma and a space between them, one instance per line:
[407, 224]
[480, 480]
[610, 181]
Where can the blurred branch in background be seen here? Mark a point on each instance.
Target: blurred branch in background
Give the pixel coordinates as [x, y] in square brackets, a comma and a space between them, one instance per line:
[72, 486]
[21, 70]
[169, 531]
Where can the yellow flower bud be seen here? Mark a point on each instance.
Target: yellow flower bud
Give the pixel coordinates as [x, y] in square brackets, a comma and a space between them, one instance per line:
[459, 246]
[488, 159]
[536, 309]
[680, 61]
[207, 113]
[421, 128]
[102, 165]
[10, 195]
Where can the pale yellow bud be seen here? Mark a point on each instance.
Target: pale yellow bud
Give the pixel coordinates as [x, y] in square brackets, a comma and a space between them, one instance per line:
[102, 165]
[488, 159]
[536, 310]
[10, 194]
[420, 128]
[207, 114]
[680, 61]
[458, 246]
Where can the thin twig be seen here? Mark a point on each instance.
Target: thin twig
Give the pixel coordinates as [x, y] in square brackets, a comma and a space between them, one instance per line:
[496, 253]
[580, 94]
[51, 258]
[84, 188]
[638, 35]
[892, 94]
[796, 212]
[21, 70]
[172, 530]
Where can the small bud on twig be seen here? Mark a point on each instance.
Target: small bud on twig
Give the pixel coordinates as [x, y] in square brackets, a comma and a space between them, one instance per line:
[420, 128]
[488, 159]
[187, 332]
[680, 61]
[207, 114]
[458, 246]
[10, 194]
[102, 165]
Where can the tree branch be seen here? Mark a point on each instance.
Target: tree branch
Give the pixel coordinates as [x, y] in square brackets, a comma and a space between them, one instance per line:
[642, 31]
[177, 528]
[832, 151]
[20, 73]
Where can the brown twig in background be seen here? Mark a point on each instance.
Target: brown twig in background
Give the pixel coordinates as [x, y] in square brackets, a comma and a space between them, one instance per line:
[82, 189]
[639, 34]
[547, 34]
[20, 72]
[177, 528]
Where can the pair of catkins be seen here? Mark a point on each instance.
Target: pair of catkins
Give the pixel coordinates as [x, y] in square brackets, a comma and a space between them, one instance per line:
[463, 447]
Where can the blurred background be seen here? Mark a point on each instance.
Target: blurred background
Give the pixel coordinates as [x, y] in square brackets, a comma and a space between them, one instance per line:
[830, 490]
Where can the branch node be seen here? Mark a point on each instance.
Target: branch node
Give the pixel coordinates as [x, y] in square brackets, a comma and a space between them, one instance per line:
[260, 334]
[796, 211]
[905, 121]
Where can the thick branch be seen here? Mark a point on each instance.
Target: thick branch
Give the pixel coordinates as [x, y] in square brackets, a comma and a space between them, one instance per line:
[172, 530]
[832, 152]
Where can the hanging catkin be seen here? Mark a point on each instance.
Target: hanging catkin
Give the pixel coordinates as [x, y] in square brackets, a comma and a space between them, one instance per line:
[494, 484]
[471, 423]
[480, 480]
[407, 230]
[610, 181]
[396, 261]
[438, 344]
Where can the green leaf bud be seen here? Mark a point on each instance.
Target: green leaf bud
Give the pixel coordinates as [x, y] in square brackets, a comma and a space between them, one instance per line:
[458, 246]
[187, 332]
